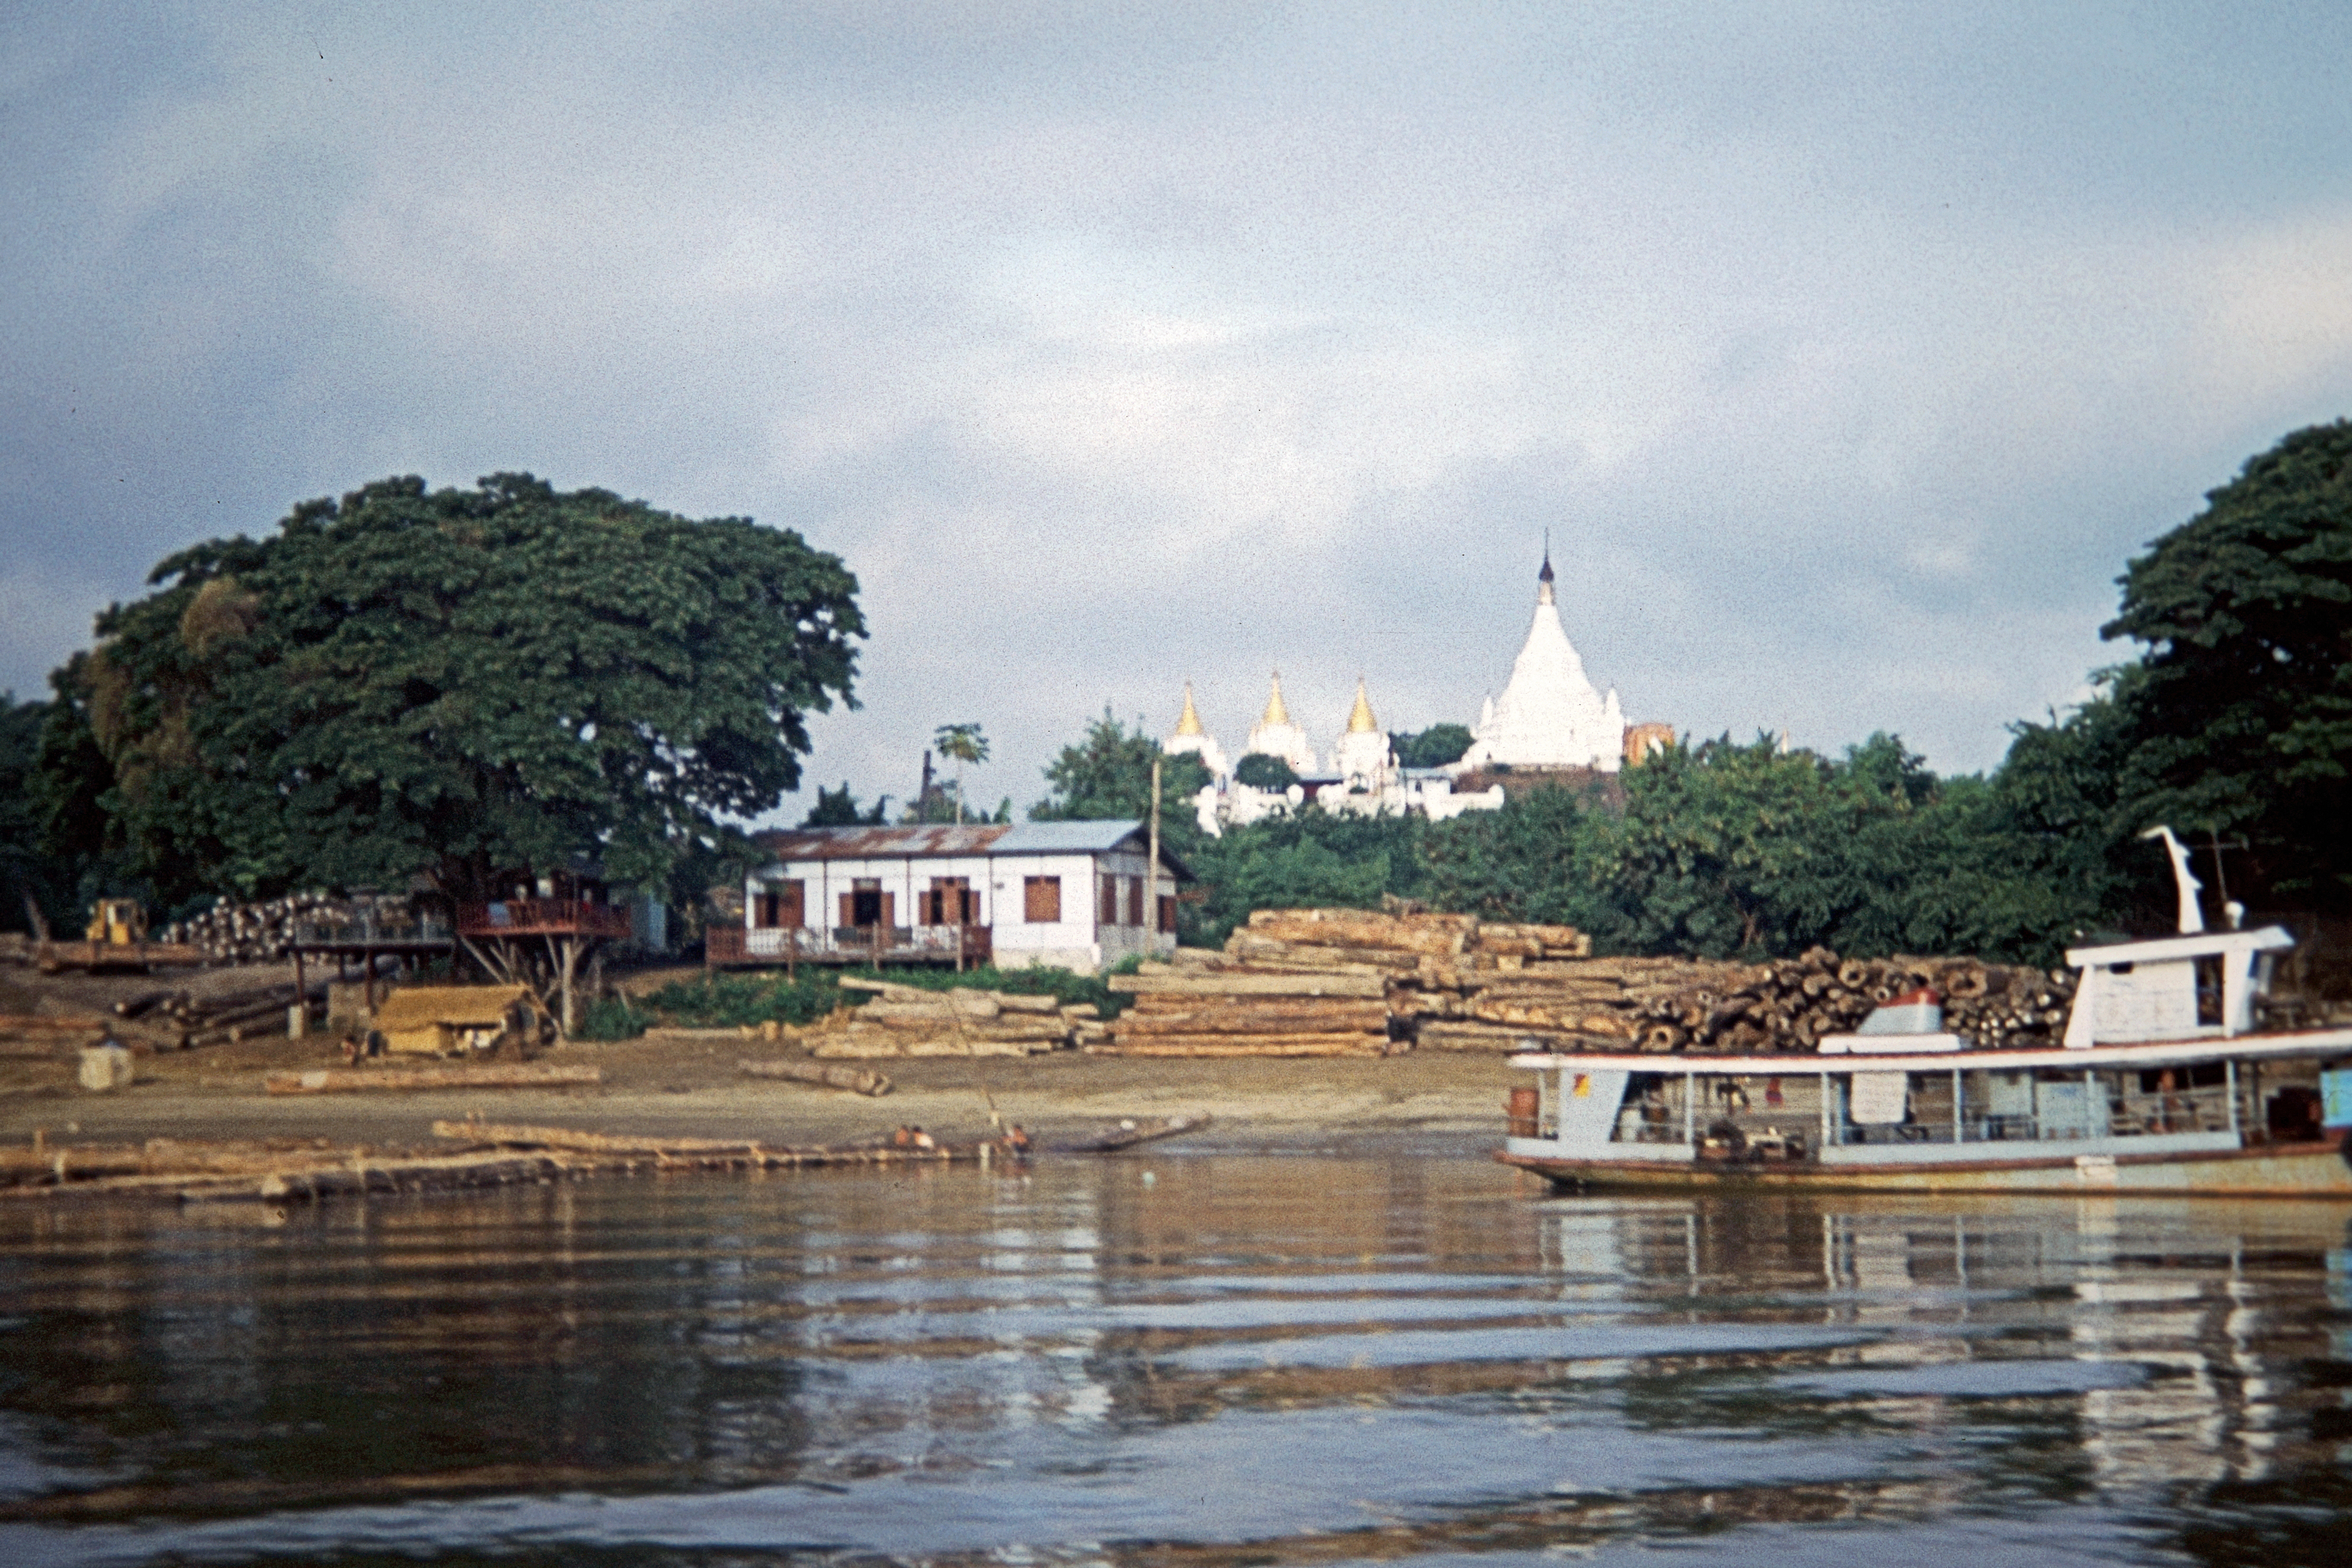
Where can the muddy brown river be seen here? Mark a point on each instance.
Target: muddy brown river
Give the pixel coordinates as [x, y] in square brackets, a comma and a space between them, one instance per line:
[1189, 1358]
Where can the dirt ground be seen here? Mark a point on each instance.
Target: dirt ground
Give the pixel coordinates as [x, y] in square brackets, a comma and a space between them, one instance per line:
[688, 1085]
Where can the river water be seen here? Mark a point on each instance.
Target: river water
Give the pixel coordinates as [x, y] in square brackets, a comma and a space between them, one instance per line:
[1219, 1360]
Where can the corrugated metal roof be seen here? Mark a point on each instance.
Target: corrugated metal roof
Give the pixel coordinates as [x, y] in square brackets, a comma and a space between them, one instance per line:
[927, 840]
[934, 842]
[1067, 837]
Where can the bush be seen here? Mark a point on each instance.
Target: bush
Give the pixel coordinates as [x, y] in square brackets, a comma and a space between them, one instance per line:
[722, 1001]
[610, 1019]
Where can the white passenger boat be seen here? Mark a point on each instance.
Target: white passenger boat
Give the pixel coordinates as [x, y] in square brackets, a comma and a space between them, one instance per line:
[2165, 1083]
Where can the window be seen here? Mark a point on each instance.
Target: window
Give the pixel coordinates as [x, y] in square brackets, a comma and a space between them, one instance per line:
[1107, 901]
[1041, 900]
[779, 904]
[1167, 914]
[865, 904]
[949, 903]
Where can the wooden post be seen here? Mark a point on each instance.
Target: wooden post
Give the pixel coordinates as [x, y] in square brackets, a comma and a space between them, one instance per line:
[1151, 868]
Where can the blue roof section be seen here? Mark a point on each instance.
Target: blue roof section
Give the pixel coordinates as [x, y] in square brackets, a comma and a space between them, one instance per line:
[1065, 838]
[1081, 838]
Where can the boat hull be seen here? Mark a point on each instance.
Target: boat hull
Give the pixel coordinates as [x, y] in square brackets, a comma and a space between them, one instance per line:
[2314, 1169]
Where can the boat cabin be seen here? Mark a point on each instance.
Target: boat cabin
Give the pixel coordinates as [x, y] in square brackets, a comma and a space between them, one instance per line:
[2163, 1083]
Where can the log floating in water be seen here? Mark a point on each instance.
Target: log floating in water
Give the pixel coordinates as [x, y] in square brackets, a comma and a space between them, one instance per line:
[350, 1081]
[855, 1080]
[1129, 1133]
[718, 1154]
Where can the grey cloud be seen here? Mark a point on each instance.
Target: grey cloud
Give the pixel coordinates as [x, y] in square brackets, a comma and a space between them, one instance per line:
[1847, 354]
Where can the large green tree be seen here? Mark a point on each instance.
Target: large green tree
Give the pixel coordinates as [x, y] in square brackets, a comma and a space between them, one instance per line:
[464, 683]
[2241, 716]
[1107, 775]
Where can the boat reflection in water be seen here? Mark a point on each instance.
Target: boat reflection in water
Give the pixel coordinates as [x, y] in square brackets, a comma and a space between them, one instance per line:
[1243, 1359]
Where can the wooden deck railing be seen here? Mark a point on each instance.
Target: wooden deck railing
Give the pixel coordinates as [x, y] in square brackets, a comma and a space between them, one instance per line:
[733, 944]
[542, 917]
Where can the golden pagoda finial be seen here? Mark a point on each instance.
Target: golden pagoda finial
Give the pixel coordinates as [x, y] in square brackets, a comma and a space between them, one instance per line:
[1189, 724]
[1275, 713]
[1360, 719]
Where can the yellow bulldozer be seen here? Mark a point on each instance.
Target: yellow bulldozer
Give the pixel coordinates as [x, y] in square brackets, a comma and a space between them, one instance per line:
[116, 938]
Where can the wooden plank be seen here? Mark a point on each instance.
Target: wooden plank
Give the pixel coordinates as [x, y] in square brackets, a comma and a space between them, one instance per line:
[1249, 984]
[855, 1080]
[354, 1080]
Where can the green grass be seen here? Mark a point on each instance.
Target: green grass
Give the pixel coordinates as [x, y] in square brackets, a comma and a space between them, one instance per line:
[720, 1001]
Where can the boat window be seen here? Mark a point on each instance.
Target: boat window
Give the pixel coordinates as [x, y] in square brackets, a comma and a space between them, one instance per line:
[2202, 1075]
[2209, 991]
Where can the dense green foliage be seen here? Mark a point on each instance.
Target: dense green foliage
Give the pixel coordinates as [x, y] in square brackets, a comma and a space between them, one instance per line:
[21, 863]
[2240, 711]
[1260, 771]
[1307, 859]
[1435, 747]
[839, 808]
[1107, 776]
[462, 684]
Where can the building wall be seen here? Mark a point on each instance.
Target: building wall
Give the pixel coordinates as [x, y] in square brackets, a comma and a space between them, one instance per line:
[1077, 940]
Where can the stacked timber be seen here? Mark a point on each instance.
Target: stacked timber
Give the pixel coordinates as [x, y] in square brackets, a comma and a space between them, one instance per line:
[185, 1020]
[908, 1021]
[49, 1033]
[1666, 1005]
[1306, 982]
[1293, 982]
[264, 932]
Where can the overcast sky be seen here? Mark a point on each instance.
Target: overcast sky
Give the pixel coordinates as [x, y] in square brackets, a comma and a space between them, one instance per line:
[1846, 352]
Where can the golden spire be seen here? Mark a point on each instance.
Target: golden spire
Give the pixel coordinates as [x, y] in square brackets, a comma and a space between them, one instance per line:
[1189, 724]
[1275, 713]
[1360, 719]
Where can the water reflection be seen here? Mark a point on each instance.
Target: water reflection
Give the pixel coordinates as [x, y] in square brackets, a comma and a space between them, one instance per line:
[1247, 1359]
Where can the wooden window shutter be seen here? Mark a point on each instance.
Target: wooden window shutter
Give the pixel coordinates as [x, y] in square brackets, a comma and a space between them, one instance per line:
[1041, 900]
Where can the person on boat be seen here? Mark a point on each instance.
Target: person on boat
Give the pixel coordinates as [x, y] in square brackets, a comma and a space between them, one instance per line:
[1016, 1141]
[920, 1139]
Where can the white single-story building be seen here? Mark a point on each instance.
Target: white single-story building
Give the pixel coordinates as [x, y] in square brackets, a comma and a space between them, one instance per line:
[1069, 894]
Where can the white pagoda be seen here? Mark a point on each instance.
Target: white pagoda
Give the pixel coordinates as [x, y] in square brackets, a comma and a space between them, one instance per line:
[1274, 735]
[1192, 737]
[1550, 716]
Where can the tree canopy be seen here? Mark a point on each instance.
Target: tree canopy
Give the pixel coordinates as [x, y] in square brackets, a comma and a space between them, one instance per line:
[1435, 747]
[2241, 708]
[1107, 776]
[462, 684]
[1260, 771]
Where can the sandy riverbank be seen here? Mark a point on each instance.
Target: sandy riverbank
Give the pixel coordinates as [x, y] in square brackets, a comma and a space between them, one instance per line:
[672, 1085]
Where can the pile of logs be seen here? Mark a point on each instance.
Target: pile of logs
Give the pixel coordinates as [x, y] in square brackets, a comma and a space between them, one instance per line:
[47, 1034]
[1293, 982]
[1662, 1005]
[1353, 982]
[231, 932]
[184, 1019]
[908, 1021]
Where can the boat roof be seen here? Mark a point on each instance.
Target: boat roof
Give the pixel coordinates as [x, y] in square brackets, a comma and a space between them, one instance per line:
[2200, 944]
[1791, 1064]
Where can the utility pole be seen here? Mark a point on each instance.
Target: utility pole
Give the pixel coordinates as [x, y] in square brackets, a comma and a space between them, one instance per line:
[1151, 868]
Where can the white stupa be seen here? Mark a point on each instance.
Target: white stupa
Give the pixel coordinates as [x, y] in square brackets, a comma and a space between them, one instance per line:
[1275, 736]
[1363, 757]
[1550, 716]
[1192, 737]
